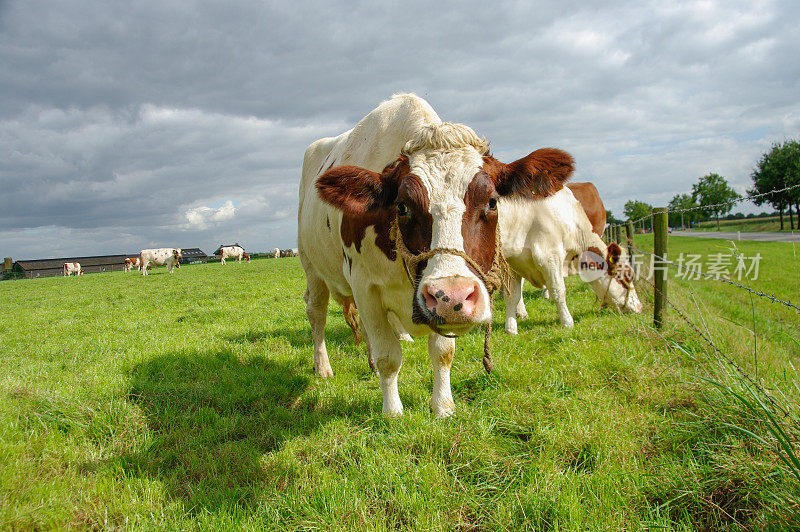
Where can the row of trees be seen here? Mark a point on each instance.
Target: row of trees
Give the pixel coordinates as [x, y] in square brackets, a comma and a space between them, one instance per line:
[777, 169]
[711, 196]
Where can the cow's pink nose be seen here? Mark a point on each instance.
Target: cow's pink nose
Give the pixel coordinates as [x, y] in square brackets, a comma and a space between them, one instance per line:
[453, 299]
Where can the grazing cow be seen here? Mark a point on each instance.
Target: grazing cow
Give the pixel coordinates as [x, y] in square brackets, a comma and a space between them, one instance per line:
[399, 217]
[546, 239]
[132, 263]
[276, 253]
[169, 257]
[72, 267]
[232, 252]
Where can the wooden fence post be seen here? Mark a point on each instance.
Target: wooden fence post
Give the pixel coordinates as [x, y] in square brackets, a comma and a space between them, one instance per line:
[629, 241]
[660, 231]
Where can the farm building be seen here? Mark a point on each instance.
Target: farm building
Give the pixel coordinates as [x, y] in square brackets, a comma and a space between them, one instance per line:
[219, 249]
[193, 255]
[51, 267]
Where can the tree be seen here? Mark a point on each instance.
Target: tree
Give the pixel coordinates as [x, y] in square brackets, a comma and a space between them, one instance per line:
[681, 202]
[778, 169]
[638, 209]
[610, 218]
[713, 194]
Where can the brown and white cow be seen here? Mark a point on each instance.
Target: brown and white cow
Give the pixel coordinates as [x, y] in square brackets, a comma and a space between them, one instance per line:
[401, 164]
[232, 252]
[545, 239]
[72, 267]
[276, 253]
[131, 263]
[169, 257]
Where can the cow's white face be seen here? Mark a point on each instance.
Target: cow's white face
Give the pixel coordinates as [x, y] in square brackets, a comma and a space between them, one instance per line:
[443, 191]
[450, 295]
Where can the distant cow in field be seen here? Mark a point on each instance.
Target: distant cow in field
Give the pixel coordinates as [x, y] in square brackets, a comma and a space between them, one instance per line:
[232, 252]
[276, 253]
[132, 263]
[72, 267]
[169, 257]
[547, 239]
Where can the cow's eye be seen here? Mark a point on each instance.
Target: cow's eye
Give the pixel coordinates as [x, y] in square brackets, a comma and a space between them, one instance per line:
[492, 204]
[402, 210]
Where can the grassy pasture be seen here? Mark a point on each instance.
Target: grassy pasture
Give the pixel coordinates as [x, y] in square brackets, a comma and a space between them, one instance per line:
[188, 401]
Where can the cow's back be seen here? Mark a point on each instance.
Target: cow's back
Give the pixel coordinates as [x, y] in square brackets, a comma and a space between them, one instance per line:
[589, 198]
[376, 141]
[535, 230]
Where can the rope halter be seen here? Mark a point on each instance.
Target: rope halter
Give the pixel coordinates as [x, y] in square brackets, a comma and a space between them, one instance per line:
[495, 278]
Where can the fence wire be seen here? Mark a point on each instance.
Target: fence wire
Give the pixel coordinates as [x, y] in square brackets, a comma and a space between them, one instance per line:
[707, 207]
[683, 315]
[682, 268]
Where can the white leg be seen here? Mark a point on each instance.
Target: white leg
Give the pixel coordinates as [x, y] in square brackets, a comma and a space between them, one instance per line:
[513, 298]
[441, 350]
[558, 291]
[545, 293]
[317, 296]
[144, 268]
[384, 347]
[522, 312]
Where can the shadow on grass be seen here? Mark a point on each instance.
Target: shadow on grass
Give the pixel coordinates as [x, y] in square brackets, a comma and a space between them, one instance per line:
[335, 336]
[212, 417]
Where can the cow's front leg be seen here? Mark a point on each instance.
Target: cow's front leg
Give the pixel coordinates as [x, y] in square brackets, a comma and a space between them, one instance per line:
[441, 350]
[558, 291]
[513, 300]
[385, 349]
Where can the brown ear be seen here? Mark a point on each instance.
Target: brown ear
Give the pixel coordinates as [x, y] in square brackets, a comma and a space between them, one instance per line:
[356, 190]
[542, 173]
[613, 253]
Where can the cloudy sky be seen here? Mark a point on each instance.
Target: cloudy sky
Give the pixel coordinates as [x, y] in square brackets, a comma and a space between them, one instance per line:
[137, 124]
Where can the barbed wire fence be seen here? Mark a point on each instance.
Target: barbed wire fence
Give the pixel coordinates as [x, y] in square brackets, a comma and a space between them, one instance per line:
[659, 264]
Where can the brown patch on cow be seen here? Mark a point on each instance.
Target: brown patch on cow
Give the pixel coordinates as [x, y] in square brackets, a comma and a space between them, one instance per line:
[589, 198]
[613, 253]
[479, 223]
[351, 317]
[366, 199]
[446, 357]
[541, 173]
[416, 225]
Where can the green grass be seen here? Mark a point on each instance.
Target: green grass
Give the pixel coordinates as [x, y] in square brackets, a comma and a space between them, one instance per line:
[188, 401]
[772, 224]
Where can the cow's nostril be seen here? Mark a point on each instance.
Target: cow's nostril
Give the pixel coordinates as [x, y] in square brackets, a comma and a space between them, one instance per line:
[430, 299]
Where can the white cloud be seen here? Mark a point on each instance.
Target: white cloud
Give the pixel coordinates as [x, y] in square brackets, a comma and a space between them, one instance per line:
[200, 217]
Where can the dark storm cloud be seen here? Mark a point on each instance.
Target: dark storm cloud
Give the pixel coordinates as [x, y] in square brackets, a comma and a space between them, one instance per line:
[126, 125]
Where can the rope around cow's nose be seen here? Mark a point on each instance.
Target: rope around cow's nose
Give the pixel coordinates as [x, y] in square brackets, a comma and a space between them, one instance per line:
[495, 278]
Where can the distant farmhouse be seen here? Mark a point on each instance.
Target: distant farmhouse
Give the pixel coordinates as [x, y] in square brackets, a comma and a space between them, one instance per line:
[51, 267]
[193, 256]
[99, 263]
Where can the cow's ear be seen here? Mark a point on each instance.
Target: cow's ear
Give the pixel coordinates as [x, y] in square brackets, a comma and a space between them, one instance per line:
[613, 254]
[356, 190]
[542, 172]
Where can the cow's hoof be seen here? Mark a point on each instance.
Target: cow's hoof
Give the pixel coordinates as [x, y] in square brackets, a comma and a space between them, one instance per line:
[522, 315]
[568, 324]
[511, 327]
[444, 411]
[405, 337]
